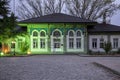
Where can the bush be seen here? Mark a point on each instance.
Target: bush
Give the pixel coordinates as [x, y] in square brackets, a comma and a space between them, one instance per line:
[118, 52]
[107, 47]
[90, 52]
[24, 47]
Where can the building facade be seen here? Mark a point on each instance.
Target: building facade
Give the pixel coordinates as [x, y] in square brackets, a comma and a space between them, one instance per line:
[62, 34]
[47, 38]
[101, 33]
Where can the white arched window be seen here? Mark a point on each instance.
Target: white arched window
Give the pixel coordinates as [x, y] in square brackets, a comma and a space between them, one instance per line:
[42, 34]
[56, 33]
[71, 39]
[35, 33]
[78, 33]
[56, 40]
[71, 33]
[42, 39]
[35, 39]
[78, 39]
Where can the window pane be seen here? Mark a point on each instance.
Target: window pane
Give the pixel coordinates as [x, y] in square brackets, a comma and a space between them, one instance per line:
[94, 43]
[57, 43]
[78, 33]
[101, 43]
[71, 34]
[56, 34]
[71, 43]
[35, 33]
[42, 34]
[42, 43]
[78, 43]
[115, 43]
[35, 43]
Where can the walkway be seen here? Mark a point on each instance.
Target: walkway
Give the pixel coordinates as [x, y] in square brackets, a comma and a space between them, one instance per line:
[54, 67]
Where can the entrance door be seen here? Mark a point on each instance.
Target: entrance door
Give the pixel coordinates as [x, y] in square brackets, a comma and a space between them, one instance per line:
[56, 41]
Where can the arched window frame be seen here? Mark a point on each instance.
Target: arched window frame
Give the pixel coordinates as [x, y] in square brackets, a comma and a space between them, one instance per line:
[80, 33]
[56, 41]
[71, 39]
[79, 39]
[58, 31]
[44, 33]
[42, 40]
[35, 39]
[34, 32]
[69, 33]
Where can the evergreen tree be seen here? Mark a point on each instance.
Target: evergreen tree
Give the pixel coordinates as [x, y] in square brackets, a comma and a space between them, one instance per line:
[4, 9]
[7, 21]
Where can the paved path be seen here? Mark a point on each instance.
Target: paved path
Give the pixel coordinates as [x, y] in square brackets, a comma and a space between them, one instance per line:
[54, 67]
[111, 63]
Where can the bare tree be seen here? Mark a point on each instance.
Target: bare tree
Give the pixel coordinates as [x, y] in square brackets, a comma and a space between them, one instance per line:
[53, 6]
[30, 8]
[36, 8]
[91, 9]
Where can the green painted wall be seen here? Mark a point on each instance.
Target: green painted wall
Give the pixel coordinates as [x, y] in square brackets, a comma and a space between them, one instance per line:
[49, 28]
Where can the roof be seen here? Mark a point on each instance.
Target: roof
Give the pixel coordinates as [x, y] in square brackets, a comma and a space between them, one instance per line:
[105, 28]
[57, 17]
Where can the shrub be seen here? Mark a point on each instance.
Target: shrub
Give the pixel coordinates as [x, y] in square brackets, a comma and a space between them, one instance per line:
[90, 52]
[24, 47]
[107, 47]
[118, 51]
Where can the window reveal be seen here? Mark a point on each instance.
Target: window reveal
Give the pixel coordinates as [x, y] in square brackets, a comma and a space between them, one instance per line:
[57, 43]
[115, 43]
[101, 43]
[94, 43]
[42, 43]
[78, 43]
[71, 43]
[35, 43]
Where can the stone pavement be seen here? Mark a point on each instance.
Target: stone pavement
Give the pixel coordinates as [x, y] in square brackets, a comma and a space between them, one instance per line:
[55, 67]
[108, 62]
[113, 65]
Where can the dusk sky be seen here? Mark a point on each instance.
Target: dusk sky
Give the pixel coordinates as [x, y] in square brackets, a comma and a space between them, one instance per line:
[115, 19]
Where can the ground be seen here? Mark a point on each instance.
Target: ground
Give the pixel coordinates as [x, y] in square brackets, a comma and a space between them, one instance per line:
[54, 67]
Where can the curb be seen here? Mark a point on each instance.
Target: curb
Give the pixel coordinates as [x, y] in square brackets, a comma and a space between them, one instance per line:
[98, 55]
[112, 70]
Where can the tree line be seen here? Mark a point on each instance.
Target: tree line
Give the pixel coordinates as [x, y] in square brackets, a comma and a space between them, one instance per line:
[89, 9]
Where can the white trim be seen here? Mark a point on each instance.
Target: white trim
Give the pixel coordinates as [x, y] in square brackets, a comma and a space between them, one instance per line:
[39, 37]
[111, 39]
[52, 42]
[75, 49]
[98, 37]
[35, 31]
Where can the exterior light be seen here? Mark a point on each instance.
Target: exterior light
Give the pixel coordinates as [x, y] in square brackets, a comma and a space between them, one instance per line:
[5, 50]
[29, 52]
[2, 53]
[13, 42]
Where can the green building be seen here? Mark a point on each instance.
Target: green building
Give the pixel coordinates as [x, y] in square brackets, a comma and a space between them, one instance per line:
[55, 34]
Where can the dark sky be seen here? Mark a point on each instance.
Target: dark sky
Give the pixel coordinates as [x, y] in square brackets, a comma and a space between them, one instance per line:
[115, 19]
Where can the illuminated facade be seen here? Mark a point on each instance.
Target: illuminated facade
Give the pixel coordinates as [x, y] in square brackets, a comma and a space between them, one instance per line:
[62, 34]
